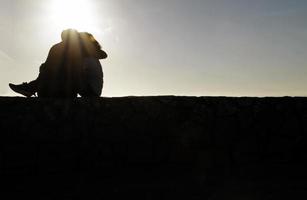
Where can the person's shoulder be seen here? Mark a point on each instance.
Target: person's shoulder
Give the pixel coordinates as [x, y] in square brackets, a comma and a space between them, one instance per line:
[57, 46]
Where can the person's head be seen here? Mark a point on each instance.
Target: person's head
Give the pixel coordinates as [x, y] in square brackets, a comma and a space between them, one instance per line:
[69, 34]
[90, 46]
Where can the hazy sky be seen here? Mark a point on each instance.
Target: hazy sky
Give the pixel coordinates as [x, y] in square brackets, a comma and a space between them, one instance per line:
[167, 47]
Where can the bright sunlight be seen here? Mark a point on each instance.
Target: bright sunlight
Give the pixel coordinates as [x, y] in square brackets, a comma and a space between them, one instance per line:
[77, 14]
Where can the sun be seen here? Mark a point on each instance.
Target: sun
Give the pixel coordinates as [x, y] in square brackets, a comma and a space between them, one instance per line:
[77, 14]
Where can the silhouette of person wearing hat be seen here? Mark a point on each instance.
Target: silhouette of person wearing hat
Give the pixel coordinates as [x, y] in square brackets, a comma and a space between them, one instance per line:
[72, 67]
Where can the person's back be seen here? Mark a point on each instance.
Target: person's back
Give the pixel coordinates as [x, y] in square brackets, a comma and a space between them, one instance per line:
[51, 77]
[61, 71]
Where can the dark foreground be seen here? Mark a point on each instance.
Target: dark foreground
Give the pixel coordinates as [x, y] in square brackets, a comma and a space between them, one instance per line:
[154, 148]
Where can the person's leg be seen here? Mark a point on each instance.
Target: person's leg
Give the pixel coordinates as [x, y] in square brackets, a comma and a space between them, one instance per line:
[55, 84]
[92, 78]
[26, 89]
[51, 83]
[87, 93]
[91, 88]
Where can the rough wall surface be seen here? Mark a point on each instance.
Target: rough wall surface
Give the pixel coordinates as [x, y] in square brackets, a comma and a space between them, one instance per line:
[154, 148]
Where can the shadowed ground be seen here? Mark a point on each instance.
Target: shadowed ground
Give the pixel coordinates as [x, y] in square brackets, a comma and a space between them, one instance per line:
[154, 148]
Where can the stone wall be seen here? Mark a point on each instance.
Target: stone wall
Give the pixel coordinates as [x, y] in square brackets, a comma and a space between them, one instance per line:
[154, 148]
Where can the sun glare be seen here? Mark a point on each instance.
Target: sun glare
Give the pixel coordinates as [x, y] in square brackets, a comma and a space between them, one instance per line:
[77, 14]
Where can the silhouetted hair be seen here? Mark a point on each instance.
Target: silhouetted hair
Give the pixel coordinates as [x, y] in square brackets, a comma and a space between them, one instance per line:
[69, 34]
[90, 46]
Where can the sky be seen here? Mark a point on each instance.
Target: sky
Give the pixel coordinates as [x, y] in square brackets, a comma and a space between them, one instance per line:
[167, 47]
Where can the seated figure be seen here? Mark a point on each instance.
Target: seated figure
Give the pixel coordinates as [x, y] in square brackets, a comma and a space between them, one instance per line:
[72, 67]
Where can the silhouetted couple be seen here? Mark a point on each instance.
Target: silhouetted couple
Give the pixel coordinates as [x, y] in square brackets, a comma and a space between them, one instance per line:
[72, 67]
